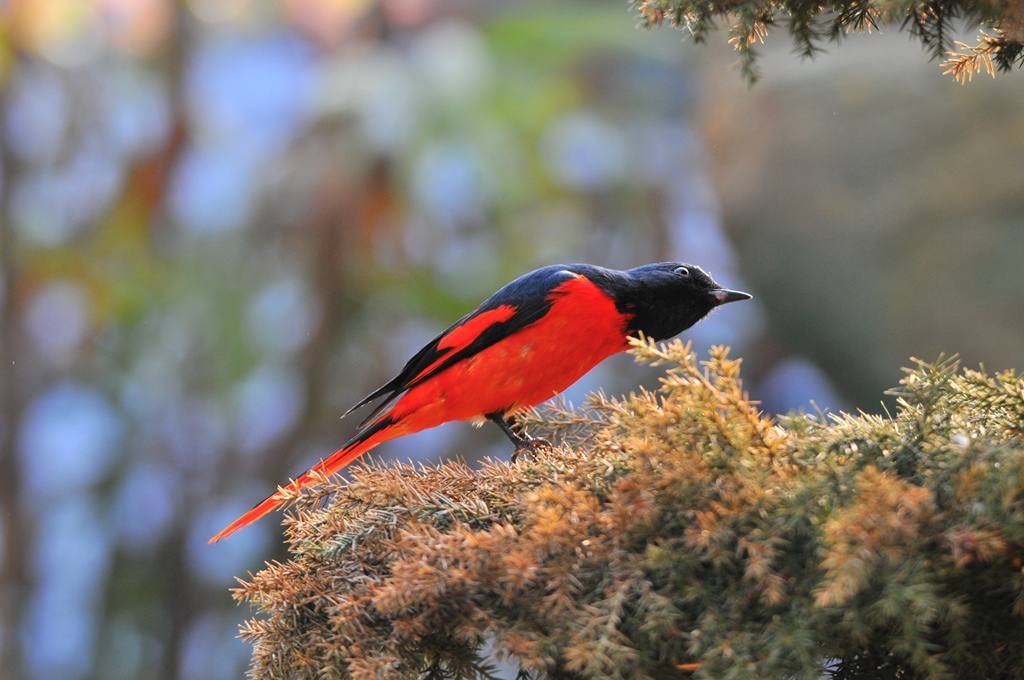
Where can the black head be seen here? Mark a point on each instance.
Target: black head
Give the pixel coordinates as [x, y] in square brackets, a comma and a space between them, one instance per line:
[667, 298]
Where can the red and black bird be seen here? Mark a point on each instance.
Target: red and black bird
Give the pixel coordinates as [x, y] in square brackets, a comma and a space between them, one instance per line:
[526, 343]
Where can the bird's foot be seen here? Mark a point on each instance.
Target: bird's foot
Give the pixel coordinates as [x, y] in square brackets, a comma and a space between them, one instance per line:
[523, 443]
[529, 446]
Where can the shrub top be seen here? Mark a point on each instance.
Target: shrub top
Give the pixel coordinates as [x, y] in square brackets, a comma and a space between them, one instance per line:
[674, 534]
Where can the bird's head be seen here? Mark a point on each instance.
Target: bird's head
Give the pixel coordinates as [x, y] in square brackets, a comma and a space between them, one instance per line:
[668, 297]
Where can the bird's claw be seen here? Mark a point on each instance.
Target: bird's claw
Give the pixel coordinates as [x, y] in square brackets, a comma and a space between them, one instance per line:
[530, 446]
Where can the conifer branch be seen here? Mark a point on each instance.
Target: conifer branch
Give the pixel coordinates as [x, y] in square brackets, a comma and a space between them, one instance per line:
[677, 533]
[811, 24]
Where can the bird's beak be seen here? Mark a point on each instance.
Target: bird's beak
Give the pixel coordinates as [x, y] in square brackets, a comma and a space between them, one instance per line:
[723, 295]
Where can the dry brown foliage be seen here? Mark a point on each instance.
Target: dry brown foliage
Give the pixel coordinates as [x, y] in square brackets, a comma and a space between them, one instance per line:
[679, 533]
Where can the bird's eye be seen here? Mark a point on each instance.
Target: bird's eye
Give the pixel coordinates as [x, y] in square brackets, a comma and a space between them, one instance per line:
[682, 271]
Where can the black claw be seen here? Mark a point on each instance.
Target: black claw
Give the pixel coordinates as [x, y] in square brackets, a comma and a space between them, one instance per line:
[523, 444]
[529, 446]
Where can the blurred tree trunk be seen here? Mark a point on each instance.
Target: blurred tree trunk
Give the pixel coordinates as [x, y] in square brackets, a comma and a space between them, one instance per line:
[12, 541]
[180, 601]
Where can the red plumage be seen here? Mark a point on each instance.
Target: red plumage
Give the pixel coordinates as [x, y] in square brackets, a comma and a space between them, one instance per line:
[529, 341]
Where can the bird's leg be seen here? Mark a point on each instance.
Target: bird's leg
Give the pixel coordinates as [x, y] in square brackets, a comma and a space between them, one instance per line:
[522, 444]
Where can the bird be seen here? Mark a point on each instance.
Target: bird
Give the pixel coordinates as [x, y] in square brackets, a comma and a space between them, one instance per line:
[526, 343]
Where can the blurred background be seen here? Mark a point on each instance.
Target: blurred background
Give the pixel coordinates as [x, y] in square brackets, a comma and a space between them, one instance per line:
[224, 221]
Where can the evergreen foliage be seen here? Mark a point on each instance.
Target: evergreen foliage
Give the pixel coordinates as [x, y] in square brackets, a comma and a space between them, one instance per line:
[810, 24]
[676, 534]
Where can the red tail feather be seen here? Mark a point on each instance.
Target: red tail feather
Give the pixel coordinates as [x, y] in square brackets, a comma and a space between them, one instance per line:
[382, 431]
